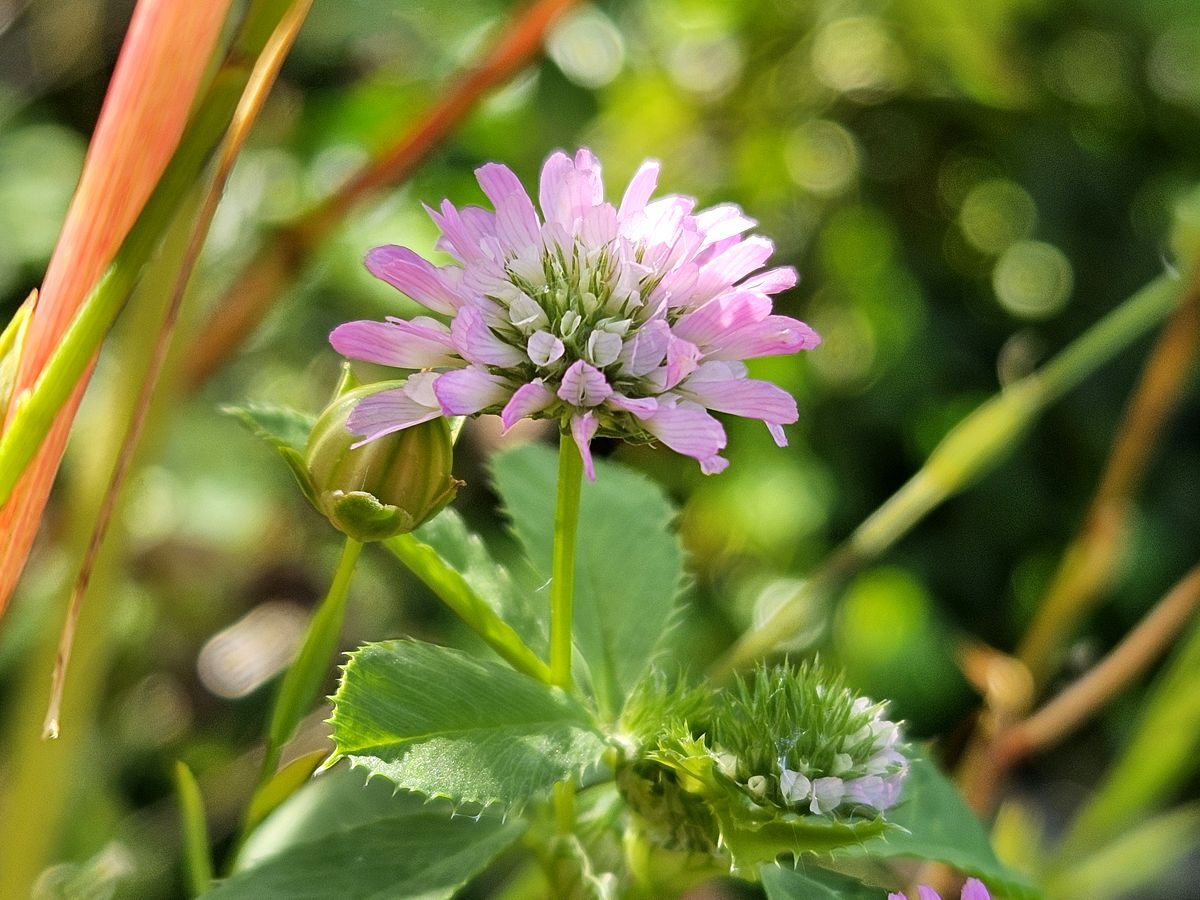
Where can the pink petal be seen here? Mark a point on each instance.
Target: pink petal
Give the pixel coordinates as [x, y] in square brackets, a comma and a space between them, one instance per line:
[733, 264]
[476, 342]
[722, 315]
[924, 892]
[641, 186]
[714, 465]
[517, 223]
[387, 412]
[720, 222]
[645, 349]
[464, 392]
[682, 359]
[746, 397]
[414, 276]
[687, 428]
[419, 344]
[544, 348]
[584, 385]
[569, 188]
[772, 281]
[895, 896]
[583, 429]
[975, 890]
[773, 336]
[642, 407]
[528, 399]
[599, 225]
[462, 234]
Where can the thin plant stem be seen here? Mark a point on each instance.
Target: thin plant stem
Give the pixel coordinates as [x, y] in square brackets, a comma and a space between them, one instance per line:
[562, 571]
[303, 679]
[1107, 679]
[971, 450]
[1088, 563]
[257, 88]
[562, 598]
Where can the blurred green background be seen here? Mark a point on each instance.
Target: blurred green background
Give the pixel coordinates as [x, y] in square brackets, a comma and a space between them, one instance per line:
[963, 187]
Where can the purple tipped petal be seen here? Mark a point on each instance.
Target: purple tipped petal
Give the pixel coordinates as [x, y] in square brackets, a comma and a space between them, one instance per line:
[526, 400]
[412, 275]
[731, 265]
[772, 281]
[687, 428]
[640, 188]
[714, 465]
[517, 224]
[584, 385]
[387, 412]
[773, 336]
[974, 890]
[895, 896]
[746, 397]
[644, 350]
[642, 407]
[464, 392]
[924, 892]
[583, 429]
[420, 344]
[544, 348]
[682, 359]
[722, 315]
[479, 344]
[569, 188]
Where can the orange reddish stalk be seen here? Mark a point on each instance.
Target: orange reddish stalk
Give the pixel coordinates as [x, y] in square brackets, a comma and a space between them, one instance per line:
[157, 76]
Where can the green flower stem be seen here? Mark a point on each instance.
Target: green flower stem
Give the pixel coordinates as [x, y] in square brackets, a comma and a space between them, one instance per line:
[197, 863]
[971, 450]
[562, 597]
[562, 570]
[453, 590]
[302, 682]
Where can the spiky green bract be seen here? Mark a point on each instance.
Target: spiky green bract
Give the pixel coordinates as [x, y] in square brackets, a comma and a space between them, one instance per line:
[723, 770]
[798, 738]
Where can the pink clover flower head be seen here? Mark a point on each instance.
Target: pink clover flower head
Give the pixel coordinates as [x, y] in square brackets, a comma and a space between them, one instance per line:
[972, 890]
[628, 321]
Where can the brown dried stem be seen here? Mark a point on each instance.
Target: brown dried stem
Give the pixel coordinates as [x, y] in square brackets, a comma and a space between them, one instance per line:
[1088, 564]
[1129, 659]
[285, 250]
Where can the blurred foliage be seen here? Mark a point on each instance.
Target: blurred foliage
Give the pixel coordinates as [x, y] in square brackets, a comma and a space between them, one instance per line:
[963, 187]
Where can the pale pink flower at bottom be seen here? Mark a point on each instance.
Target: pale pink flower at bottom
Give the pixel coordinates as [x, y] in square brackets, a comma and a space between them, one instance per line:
[972, 890]
[628, 321]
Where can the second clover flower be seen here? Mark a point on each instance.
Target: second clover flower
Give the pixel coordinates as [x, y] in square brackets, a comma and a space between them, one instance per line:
[630, 321]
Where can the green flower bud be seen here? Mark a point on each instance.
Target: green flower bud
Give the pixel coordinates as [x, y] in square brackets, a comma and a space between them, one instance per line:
[386, 487]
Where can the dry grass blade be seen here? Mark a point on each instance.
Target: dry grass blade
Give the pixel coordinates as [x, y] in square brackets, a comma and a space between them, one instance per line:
[261, 80]
[158, 75]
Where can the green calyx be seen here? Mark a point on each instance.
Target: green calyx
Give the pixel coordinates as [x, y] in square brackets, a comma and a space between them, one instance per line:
[383, 488]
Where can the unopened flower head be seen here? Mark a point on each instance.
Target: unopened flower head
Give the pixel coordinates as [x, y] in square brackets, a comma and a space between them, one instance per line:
[797, 738]
[629, 321]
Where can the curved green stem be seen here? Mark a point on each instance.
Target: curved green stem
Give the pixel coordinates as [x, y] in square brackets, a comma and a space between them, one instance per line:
[562, 572]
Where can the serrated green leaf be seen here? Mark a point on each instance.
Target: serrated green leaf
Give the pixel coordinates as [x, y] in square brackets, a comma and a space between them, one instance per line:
[439, 722]
[628, 562]
[811, 883]
[284, 429]
[937, 825]
[279, 426]
[419, 855]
